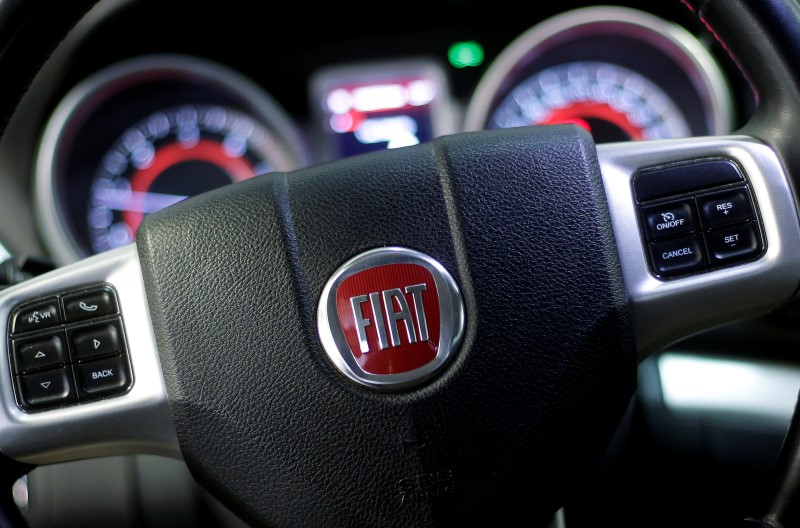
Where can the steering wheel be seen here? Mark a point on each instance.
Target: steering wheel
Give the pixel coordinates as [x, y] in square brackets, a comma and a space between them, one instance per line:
[428, 336]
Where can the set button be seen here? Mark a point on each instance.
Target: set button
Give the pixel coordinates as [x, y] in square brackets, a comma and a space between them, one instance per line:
[730, 244]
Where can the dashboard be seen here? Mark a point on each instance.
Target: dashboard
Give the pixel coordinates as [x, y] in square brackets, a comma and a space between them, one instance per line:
[160, 102]
[146, 103]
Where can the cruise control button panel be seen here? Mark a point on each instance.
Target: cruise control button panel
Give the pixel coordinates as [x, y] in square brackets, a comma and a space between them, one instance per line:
[697, 216]
[68, 348]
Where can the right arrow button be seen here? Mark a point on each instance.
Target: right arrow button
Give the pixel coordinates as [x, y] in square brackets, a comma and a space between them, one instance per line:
[97, 340]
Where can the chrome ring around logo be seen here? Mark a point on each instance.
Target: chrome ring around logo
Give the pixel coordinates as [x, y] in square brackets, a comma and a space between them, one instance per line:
[390, 318]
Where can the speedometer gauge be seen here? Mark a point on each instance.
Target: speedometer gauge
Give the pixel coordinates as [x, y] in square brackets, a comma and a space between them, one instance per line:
[620, 73]
[144, 134]
[612, 102]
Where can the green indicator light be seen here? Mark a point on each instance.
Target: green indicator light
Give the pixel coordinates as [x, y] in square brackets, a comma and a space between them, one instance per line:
[464, 54]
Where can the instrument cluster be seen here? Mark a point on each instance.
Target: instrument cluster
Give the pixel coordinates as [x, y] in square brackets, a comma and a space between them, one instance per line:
[144, 129]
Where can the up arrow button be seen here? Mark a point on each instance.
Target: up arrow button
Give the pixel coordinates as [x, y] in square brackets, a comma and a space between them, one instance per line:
[38, 353]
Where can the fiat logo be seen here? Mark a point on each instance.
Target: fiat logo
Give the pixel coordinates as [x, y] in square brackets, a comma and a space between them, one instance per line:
[390, 318]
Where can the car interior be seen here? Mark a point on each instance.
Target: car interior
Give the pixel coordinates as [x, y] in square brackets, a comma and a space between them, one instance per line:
[142, 104]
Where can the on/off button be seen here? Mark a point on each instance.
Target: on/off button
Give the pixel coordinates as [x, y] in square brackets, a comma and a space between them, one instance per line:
[678, 256]
[669, 219]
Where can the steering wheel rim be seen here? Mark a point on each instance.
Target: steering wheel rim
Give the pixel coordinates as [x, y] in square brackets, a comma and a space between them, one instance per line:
[766, 54]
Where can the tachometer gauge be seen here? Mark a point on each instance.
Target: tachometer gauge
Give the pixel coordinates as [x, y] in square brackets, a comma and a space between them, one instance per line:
[620, 73]
[147, 133]
[168, 156]
[611, 102]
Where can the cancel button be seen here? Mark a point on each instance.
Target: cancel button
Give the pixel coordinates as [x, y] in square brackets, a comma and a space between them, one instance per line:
[678, 256]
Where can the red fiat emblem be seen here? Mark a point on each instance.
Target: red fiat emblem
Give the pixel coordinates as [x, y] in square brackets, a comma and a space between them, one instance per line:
[390, 317]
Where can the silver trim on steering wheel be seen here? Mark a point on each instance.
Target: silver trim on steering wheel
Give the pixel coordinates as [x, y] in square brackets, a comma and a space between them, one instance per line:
[136, 422]
[664, 311]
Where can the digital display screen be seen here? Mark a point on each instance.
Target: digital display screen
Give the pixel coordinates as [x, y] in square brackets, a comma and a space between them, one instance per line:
[372, 107]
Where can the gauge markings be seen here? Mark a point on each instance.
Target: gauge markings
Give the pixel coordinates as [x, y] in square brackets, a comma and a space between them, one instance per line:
[613, 102]
[168, 156]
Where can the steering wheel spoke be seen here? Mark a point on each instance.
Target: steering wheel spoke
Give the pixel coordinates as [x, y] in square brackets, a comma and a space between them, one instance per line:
[80, 374]
[699, 264]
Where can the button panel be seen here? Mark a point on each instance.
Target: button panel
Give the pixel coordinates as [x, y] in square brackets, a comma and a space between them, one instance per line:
[68, 348]
[713, 223]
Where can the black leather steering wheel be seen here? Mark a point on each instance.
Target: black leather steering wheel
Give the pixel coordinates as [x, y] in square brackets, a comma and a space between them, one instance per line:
[247, 357]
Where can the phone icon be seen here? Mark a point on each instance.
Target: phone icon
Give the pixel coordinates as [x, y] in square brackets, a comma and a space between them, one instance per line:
[87, 307]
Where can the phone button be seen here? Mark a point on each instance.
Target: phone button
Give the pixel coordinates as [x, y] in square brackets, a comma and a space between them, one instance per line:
[88, 305]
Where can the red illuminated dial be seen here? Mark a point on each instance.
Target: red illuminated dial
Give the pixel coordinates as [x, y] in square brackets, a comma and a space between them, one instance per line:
[169, 156]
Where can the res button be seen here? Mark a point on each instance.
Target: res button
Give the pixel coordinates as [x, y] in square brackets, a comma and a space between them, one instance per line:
[725, 207]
